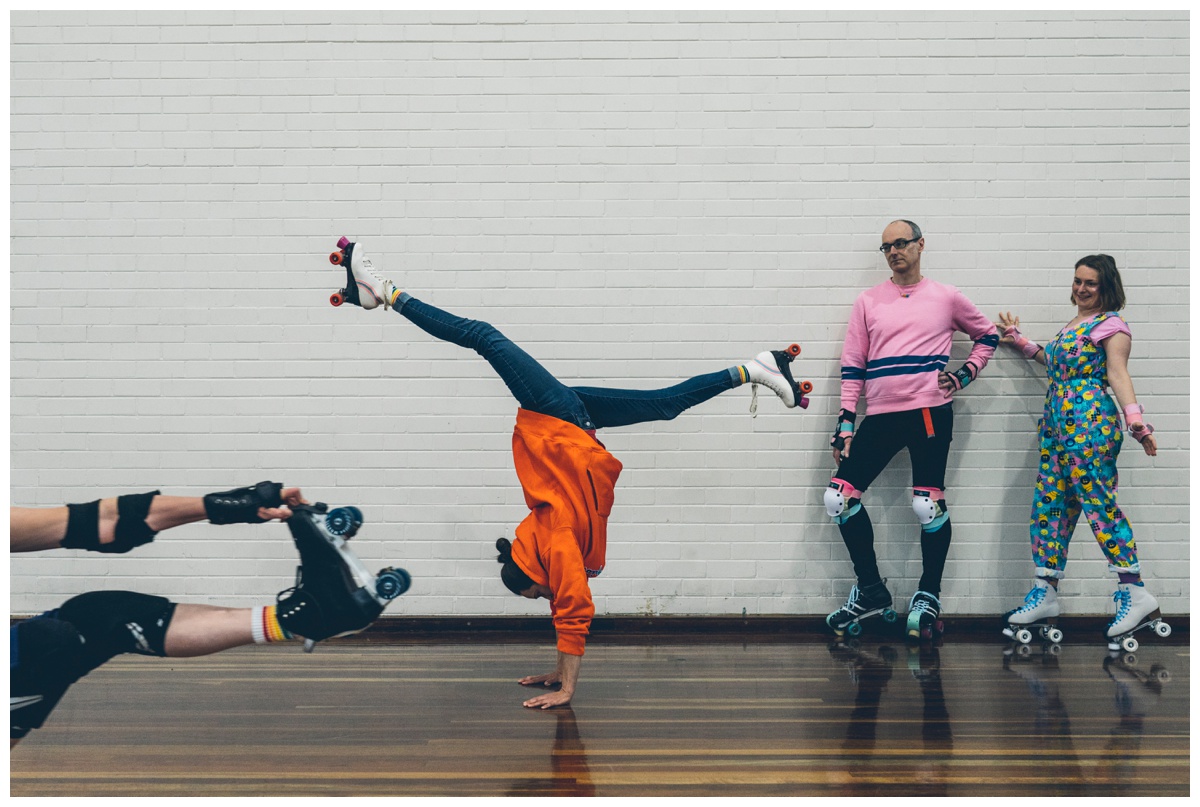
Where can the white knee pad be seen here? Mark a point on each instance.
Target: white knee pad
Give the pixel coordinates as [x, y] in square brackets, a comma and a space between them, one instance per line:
[929, 505]
[837, 494]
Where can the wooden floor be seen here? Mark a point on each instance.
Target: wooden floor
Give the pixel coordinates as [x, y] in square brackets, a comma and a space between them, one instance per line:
[656, 720]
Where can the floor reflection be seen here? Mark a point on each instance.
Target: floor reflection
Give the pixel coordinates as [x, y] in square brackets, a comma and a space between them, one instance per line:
[569, 774]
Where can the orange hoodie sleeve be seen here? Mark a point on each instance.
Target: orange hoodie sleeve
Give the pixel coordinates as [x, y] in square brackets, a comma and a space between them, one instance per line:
[571, 607]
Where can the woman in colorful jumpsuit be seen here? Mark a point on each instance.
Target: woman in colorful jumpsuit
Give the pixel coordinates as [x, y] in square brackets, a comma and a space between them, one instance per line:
[1079, 437]
[567, 475]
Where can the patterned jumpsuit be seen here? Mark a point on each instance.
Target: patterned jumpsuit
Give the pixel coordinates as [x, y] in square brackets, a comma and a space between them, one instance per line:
[1079, 437]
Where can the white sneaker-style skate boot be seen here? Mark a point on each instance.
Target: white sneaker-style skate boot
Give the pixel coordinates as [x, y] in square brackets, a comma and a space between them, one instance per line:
[773, 369]
[365, 286]
[1039, 612]
[1136, 608]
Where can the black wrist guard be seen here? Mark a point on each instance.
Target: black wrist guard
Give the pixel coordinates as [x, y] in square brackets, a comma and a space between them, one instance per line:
[963, 375]
[838, 440]
[240, 505]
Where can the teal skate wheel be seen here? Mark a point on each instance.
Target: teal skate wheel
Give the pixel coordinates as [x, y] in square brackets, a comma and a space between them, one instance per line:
[391, 583]
[889, 616]
[343, 521]
[854, 629]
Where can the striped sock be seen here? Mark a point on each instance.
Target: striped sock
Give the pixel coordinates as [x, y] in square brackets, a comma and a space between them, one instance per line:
[743, 373]
[265, 627]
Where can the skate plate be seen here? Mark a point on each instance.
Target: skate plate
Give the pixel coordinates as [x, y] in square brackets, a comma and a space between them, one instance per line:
[854, 626]
[1126, 642]
[342, 258]
[1024, 633]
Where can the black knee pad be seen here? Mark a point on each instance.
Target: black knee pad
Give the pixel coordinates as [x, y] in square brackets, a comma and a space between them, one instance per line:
[83, 524]
[115, 622]
[45, 656]
[240, 505]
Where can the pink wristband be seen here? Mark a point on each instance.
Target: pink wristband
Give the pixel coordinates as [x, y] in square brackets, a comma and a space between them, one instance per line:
[1134, 413]
[1028, 348]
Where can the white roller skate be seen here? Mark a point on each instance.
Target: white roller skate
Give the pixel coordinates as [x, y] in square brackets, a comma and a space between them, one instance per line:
[862, 603]
[772, 369]
[365, 287]
[1039, 613]
[334, 594]
[1136, 609]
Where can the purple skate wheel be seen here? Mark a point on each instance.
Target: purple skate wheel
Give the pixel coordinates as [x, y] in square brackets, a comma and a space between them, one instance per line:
[343, 242]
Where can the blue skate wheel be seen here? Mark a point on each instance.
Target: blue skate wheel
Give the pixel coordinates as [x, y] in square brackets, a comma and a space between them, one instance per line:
[854, 629]
[391, 583]
[343, 521]
[889, 615]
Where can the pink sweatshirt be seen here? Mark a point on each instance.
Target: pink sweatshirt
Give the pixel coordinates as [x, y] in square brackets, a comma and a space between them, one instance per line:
[898, 340]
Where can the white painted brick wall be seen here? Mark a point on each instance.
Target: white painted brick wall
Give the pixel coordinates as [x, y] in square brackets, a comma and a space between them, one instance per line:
[636, 198]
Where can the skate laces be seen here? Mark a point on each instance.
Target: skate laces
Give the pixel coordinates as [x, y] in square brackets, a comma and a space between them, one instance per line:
[923, 605]
[1124, 602]
[1033, 599]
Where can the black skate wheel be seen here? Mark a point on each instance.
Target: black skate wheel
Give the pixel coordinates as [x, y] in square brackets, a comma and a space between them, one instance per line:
[336, 299]
[335, 258]
[343, 521]
[391, 583]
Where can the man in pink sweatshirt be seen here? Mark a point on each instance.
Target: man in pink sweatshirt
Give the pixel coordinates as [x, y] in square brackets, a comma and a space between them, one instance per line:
[896, 353]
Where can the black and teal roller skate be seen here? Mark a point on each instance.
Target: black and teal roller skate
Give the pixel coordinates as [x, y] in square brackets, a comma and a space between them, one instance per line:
[334, 594]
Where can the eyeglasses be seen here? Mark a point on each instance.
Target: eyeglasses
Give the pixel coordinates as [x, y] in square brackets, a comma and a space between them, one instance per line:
[899, 243]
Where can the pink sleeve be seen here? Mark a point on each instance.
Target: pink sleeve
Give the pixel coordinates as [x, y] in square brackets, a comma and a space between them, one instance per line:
[854, 356]
[971, 321]
[1108, 328]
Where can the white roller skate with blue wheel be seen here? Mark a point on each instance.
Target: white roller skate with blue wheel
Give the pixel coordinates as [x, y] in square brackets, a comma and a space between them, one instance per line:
[335, 594]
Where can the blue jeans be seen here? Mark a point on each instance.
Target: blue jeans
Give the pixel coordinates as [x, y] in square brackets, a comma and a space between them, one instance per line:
[538, 391]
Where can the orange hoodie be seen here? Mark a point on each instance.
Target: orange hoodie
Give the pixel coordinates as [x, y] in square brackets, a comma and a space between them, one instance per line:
[568, 479]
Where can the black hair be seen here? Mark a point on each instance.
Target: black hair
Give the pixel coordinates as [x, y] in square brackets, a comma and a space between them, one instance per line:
[1112, 293]
[513, 576]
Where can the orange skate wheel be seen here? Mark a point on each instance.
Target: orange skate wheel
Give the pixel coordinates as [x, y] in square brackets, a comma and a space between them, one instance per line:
[805, 387]
[336, 299]
[335, 258]
[793, 350]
